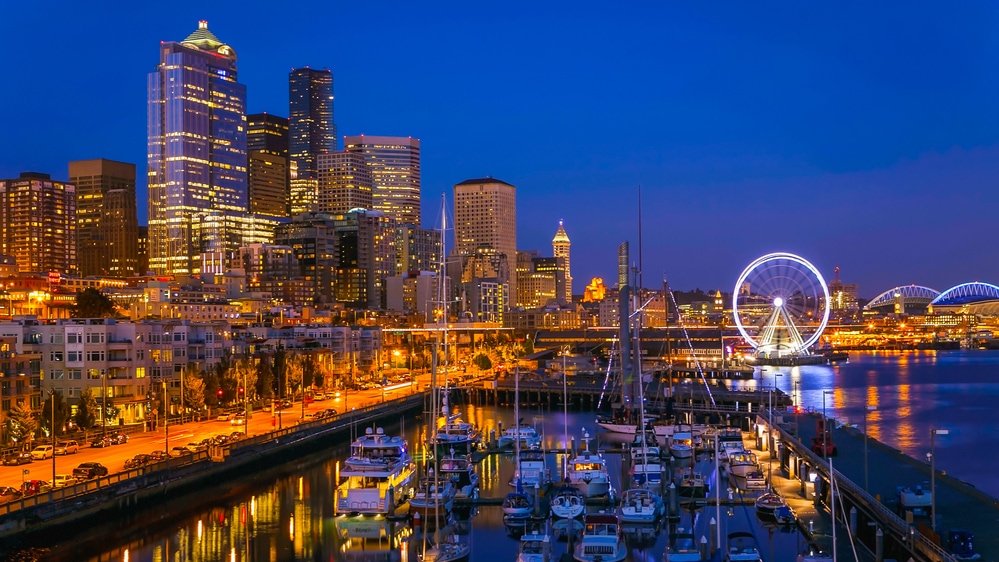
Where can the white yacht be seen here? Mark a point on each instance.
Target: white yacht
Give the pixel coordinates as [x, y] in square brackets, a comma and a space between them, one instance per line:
[602, 540]
[454, 434]
[460, 470]
[525, 434]
[433, 495]
[531, 468]
[742, 463]
[681, 445]
[588, 471]
[377, 477]
[647, 465]
[640, 505]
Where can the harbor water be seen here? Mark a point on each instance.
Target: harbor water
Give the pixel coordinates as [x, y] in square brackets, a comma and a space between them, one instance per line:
[287, 513]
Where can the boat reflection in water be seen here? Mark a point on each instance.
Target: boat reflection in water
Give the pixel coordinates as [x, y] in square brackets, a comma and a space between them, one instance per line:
[372, 539]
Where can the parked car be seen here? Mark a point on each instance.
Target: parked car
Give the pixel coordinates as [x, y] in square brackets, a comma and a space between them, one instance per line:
[67, 447]
[224, 416]
[236, 436]
[63, 480]
[157, 456]
[42, 452]
[32, 487]
[179, 451]
[15, 459]
[138, 461]
[90, 470]
[119, 438]
[8, 494]
[104, 441]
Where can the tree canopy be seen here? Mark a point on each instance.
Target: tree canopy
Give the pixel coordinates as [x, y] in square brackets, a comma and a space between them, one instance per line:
[91, 303]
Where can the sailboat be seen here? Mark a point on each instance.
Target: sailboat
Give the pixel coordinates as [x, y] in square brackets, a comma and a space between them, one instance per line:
[446, 546]
[517, 504]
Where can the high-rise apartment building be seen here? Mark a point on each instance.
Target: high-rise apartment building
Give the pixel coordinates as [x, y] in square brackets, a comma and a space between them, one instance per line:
[560, 249]
[395, 171]
[312, 132]
[485, 214]
[38, 223]
[107, 224]
[196, 146]
[268, 173]
[344, 183]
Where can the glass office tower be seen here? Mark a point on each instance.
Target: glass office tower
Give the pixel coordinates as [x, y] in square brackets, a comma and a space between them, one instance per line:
[196, 147]
[312, 132]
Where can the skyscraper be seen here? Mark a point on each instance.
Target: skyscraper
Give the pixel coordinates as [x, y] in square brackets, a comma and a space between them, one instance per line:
[268, 173]
[197, 146]
[108, 227]
[38, 223]
[395, 170]
[485, 215]
[560, 249]
[312, 130]
[344, 183]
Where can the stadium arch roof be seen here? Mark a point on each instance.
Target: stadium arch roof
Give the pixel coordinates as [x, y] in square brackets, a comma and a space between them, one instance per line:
[975, 297]
[913, 295]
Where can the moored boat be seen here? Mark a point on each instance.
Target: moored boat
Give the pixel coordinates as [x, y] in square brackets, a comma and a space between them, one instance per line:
[640, 505]
[768, 503]
[432, 496]
[518, 504]
[534, 547]
[602, 540]
[524, 434]
[692, 485]
[531, 468]
[453, 434]
[460, 470]
[681, 445]
[741, 547]
[588, 471]
[682, 547]
[742, 463]
[567, 503]
[377, 477]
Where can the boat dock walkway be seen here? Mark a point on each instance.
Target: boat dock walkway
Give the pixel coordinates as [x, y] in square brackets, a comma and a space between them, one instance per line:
[959, 505]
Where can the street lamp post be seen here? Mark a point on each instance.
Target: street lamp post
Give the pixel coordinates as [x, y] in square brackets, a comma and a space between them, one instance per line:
[933, 473]
[53, 428]
[825, 427]
[104, 405]
[866, 410]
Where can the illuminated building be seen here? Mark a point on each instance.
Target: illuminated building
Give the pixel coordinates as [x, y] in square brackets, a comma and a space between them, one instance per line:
[595, 290]
[560, 249]
[142, 250]
[196, 146]
[38, 223]
[395, 172]
[485, 212]
[345, 183]
[313, 238]
[268, 172]
[364, 253]
[312, 132]
[220, 236]
[843, 296]
[416, 249]
[107, 225]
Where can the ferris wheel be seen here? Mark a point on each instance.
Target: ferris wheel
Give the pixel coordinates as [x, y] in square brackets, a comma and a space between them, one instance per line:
[780, 305]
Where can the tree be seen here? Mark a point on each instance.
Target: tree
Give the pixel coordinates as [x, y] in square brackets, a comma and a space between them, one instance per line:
[280, 371]
[194, 390]
[91, 303]
[483, 362]
[21, 422]
[86, 410]
[265, 378]
[62, 411]
[308, 370]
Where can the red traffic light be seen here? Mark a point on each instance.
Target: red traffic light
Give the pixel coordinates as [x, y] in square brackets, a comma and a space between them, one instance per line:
[220, 393]
[241, 390]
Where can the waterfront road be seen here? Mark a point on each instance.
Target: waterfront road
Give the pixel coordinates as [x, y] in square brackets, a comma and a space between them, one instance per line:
[175, 434]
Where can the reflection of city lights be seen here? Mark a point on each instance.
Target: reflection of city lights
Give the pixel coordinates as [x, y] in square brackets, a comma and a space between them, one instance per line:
[199, 529]
[124, 556]
[232, 555]
[291, 528]
[299, 488]
[253, 506]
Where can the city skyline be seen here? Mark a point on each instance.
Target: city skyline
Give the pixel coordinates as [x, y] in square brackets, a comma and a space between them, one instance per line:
[867, 142]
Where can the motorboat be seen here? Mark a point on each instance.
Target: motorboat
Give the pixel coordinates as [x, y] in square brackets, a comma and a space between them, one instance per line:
[518, 504]
[742, 463]
[640, 505]
[563, 528]
[754, 480]
[567, 503]
[692, 484]
[526, 435]
[601, 541]
[645, 438]
[729, 440]
[681, 445]
[531, 468]
[768, 503]
[433, 495]
[647, 467]
[377, 477]
[741, 547]
[785, 515]
[588, 471]
[916, 500]
[682, 547]
[534, 547]
[961, 544]
[453, 434]
[460, 470]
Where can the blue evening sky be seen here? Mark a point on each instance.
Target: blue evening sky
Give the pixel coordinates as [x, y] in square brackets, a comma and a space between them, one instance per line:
[857, 134]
